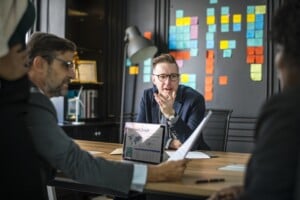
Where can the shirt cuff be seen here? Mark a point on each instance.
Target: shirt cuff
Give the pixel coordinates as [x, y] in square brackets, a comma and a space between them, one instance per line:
[139, 177]
[168, 143]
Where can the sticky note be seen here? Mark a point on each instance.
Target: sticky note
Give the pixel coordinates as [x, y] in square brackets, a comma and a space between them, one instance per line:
[147, 70]
[208, 96]
[250, 9]
[250, 26]
[224, 28]
[259, 34]
[250, 59]
[213, 1]
[209, 36]
[209, 69]
[193, 43]
[172, 29]
[232, 44]
[259, 59]
[210, 54]
[184, 78]
[236, 27]
[128, 62]
[227, 53]
[210, 12]
[257, 68]
[250, 34]
[259, 25]
[210, 44]
[224, 19]
[224, 10]
[148, 62]
[133, 70]
[179, 21]
[259, 17]
[223, 80]
[194, 20]
[186, 21]
[192, 77]
[148, 35]
[147, 78]
[208, 88]
[208, 80]
[212, 28]
[194, 52]
[259, 50]
[224, 44]
[210, 20]
[179, 63]
[260, 9]
[250, 17]
[237, 18]
[194, 32]
[179, 13]
[250, 50]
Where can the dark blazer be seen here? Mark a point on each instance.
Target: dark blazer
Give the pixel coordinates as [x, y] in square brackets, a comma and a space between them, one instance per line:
[189, 105]
[274, 166]
[61, 152]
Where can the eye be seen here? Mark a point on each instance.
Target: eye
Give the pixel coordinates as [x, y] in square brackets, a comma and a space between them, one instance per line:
[163, 76]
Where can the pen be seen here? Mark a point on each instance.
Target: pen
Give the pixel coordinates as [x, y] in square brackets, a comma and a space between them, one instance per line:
[212, 180]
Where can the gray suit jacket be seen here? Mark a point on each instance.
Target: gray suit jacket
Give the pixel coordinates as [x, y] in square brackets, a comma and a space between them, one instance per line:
[59, 150]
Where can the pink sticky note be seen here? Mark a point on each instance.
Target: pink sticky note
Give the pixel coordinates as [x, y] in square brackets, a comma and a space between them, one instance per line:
[179, 63]
[194, 32]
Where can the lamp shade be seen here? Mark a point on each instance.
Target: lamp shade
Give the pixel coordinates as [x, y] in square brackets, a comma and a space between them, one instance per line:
[139, 48]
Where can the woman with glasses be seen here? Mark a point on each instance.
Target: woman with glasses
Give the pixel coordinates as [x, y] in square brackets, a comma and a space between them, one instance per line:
[180, 107]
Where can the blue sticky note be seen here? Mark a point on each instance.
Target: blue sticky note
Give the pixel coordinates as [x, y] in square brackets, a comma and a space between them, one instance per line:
[172, 29]
[250, 9]
[172, 36]
[194, 52]
[209, 36]
[147, 78]
[212, 28]
[259, 18]
[237, 27]
[179, 13]
[232, 44]
[250, 42]
[250, 34]
[194, 44]
[258, 42]
[172, 44]
[192, 77]
[179, 45]
[227, 53]
[186, 29]
[147, 62]
[224, 10]
[187, 44]
[128, 62]
[259, 25]
[147, 70]
[178, 29]
[186, 36]
[224, 28]
[213, 1]
[210, 44]
[210, 12]
[259, 34]
[250, 26]
[179, 36]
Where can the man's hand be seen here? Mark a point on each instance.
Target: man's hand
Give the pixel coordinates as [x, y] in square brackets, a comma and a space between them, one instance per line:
[166, 171]
[12, 65]
[230, 193]
[166, 103]
[175, 144]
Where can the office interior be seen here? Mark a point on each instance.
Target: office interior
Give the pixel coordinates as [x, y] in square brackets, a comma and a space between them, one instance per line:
[240, 79]
[198, 33]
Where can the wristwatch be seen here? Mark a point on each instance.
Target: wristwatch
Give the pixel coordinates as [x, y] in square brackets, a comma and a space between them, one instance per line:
[173, 118]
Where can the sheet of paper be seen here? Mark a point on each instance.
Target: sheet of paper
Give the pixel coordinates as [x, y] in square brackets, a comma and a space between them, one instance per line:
[234, 167]
[188, 144]
[191, 154]
[94, 152]
[117, 151]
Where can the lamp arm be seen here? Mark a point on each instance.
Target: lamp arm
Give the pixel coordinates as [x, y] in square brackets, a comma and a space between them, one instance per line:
[123, 94]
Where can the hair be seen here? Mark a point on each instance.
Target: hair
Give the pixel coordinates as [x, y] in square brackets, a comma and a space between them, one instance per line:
[164, 58]
[47, 45]
[286, 30]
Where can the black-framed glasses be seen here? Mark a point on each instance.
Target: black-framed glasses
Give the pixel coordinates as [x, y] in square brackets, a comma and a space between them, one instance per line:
[66, 64]
[164, 77]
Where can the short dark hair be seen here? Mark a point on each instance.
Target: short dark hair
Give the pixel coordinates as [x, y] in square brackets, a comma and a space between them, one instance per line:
[286, 30]
[164, 58]
[47, 45]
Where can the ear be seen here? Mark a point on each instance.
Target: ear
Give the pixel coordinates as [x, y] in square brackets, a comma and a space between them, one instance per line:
[38, 64]
[153, 79]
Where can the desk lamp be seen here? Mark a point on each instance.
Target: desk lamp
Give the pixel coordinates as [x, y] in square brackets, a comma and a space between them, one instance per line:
[138, 49]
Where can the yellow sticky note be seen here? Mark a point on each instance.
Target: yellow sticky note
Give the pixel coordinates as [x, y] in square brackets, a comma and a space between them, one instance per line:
[256, 76]
[237, 18]
[133, 70]
[224, 44]
[179, 21]
[186, 21]
[224, 19]
[256, 68]
[260, 9]
[210, 20]
[250, 17]
[184, 78]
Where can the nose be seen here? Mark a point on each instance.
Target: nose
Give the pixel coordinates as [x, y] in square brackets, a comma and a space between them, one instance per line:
[72, 73]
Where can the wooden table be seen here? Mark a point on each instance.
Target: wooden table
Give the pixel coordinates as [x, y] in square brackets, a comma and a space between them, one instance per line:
[196, 169]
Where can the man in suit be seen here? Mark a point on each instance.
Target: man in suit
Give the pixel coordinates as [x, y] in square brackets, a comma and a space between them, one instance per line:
[180, 107]
[51, 69]
[273, 170]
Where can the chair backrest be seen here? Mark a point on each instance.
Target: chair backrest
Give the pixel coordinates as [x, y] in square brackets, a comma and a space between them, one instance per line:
[215, 134]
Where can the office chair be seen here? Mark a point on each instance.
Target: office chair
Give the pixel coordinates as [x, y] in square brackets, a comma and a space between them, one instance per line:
[215, 133]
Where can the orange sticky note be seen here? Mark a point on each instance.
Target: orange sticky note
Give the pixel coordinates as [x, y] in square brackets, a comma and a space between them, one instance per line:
[250, 50]
[208, 96]
[208, 88]
[209, 80]
[259, 50]
[209, 69]
[210, 54]
[250, 59]
[148, 35]
[259, 59]
[133, 70]
[223, 80]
